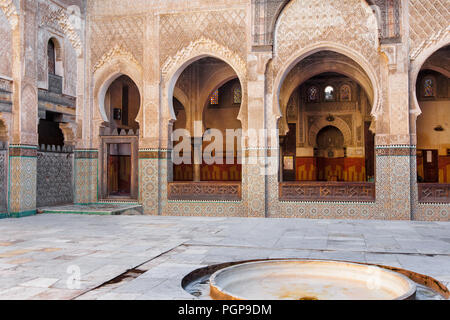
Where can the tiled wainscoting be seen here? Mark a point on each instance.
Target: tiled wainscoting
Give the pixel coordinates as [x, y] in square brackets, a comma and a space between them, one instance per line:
[54, 178]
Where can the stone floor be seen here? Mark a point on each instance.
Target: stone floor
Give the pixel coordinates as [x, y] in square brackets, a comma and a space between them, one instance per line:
[40, 256]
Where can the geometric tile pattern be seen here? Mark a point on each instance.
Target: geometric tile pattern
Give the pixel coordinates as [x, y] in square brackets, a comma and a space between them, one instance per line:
[260, 196]
[86, 180]
[428, 212]
[399, 187]
[256, 189]
[388, 196]
[153, 184]
[205, 208]
[148, 185]
[22, 185]
[55, 178]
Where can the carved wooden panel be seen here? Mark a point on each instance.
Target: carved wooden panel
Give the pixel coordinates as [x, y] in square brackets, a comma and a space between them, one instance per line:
[434, 193]
[327, 191]
[204, 191]
[55, 83]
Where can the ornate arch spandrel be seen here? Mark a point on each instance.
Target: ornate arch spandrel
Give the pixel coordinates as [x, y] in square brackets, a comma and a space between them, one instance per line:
[263, 25]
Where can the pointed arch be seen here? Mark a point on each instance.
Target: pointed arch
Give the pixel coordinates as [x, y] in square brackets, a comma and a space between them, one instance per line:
[110, 70]
[366, 78]
[201, 48]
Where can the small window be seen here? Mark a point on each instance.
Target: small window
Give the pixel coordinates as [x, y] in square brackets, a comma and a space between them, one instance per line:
[313, 94]
[428, 88]
[329, 93]
[51, 57]
[237, 95]
[215, 97]
[346, 93]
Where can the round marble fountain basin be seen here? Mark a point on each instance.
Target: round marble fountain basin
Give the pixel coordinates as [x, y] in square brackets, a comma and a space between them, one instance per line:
[309, 280]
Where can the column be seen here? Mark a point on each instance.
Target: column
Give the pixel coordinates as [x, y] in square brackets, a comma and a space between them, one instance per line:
[394, 150]
[255, 149]
[23, 147]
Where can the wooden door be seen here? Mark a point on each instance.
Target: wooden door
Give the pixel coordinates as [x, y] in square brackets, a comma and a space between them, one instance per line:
[431, 166]
[119, 174]
[370, 150]
[289, 154]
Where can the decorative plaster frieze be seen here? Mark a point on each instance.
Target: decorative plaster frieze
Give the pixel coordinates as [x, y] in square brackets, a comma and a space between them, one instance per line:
[69, 24]
[433, 39]
[118, 51]
[428, 21]
[10, 11]
[200, 47]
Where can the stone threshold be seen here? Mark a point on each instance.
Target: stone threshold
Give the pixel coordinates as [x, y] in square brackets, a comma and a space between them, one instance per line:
[106, 209]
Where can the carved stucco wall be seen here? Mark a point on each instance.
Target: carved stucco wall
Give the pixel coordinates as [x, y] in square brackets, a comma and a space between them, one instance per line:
[9, 8]
[176, 29]
[60, 21]
[429, 31]
[6, 47]
[70, 69]
[345, 22]
[107, 32]
[226, 27]
[266, 12]
[429, 23]
[52, 24]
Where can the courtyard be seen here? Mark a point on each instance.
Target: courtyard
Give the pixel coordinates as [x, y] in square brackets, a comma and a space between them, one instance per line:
[87, 257]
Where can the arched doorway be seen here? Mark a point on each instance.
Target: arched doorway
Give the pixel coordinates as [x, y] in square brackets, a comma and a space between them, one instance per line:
[330, 148]
[326, 137]
[433, 125]
[120, 140]
[221, 113]
[207, 155]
